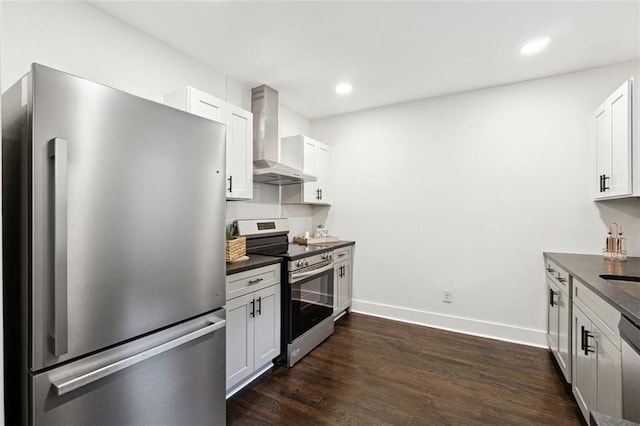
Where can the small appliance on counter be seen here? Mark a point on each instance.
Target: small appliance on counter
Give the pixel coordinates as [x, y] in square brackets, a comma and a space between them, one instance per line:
[615, 244]
[307, 285]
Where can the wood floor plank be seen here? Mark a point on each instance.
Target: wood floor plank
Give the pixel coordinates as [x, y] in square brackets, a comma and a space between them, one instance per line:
[380, 372]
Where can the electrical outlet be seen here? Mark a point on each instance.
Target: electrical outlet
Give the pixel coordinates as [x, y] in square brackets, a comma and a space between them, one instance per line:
[447, 295]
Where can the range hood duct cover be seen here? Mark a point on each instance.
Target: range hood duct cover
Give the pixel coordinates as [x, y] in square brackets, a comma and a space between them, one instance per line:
[266, 168]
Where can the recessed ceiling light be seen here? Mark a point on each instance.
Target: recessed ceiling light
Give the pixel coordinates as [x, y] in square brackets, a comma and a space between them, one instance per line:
[535, 46]
[343, 89]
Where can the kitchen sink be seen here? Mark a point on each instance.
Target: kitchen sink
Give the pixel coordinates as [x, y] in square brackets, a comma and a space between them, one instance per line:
[620, 278]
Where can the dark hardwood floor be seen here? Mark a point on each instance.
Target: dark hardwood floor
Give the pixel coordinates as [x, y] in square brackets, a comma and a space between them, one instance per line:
[374, 371]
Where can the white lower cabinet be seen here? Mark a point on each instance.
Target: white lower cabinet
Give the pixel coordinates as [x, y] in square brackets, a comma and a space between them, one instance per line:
[253, 322]
[342, 280]
[597, 362]
[559, 316]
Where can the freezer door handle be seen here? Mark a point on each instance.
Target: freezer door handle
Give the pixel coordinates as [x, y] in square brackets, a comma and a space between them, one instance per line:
[69, 384]
[58, 149]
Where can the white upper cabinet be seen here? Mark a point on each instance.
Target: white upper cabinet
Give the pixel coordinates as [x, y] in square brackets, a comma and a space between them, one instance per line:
[312, 157]
[205, 105]
[239, 140]
[615, 150]
[239, 153]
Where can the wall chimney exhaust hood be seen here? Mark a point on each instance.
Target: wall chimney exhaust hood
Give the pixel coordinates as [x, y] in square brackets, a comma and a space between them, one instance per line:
[266, 168]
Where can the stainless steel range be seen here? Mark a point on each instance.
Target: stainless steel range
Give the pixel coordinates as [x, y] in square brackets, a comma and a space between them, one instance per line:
[307, 287]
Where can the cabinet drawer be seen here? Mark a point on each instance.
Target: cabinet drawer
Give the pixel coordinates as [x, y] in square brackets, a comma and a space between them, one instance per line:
[558, 275]
[249, 281]
[343, 253]
[604, 316]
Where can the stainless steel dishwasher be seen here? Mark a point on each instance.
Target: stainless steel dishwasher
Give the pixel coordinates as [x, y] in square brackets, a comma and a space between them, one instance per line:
[630, 334]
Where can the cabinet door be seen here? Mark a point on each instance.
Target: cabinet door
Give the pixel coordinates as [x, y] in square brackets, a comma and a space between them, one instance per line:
[239, 153]
[564, 334]
[584, 372]
[609, 376]
[337, 285]
[310, 192]
[205, 105]
[602, 130]
[267, 325]
[552, 316]
[240, 339]
[620, 105]
[342, 286]
[612, 121]
[322, 172]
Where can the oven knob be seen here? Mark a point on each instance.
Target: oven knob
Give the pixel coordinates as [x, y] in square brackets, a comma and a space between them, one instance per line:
[324, 256]
[300, 263]
[306, 263]
[330, 256]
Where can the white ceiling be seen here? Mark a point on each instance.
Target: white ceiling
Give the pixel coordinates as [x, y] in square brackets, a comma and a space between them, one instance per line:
[390, 51]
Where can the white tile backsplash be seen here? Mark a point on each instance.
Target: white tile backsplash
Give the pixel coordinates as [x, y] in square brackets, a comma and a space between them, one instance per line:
[264, 205]
[298, 226]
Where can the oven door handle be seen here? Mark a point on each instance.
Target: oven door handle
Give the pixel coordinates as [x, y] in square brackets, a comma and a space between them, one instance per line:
[295, 277]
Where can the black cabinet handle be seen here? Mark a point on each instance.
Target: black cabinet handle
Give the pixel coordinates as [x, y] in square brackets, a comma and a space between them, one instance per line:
[582, 337]
[321, 194]
[604, 183]
[601, 185]
[257, 280]
[259, 305]
[551, 296]
[562, 280]
[230, 183]
[252, 314]
[587, 348]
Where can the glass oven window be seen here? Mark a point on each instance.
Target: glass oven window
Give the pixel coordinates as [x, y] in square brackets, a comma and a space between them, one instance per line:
[311, 302]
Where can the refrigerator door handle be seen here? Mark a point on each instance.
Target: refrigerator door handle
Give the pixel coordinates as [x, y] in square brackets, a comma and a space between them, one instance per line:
[58, 149]
[69, 384]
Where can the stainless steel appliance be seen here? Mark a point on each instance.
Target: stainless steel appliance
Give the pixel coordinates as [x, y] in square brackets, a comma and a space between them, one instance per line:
[630, 334]
[113, 211]
[307, 288]
[266, 142]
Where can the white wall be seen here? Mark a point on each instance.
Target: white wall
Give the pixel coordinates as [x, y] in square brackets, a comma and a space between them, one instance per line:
[80, 39]
[465, 192]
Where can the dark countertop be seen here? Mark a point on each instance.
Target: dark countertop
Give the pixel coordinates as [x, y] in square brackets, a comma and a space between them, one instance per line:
[254, 261]
[622, 295]
[600, 419]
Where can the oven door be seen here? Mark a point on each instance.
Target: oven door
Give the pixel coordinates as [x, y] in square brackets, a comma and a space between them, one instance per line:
[311, 299]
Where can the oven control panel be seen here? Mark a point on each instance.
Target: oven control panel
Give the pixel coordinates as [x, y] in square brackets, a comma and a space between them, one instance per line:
[311, 262]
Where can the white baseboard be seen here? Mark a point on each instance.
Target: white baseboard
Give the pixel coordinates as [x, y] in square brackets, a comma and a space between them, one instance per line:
[504, 332]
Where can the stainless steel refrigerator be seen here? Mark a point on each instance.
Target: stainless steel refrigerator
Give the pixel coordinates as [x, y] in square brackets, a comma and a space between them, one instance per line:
[113, 218]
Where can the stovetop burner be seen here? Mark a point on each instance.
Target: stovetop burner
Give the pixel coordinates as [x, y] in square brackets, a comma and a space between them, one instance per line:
[290, 251]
